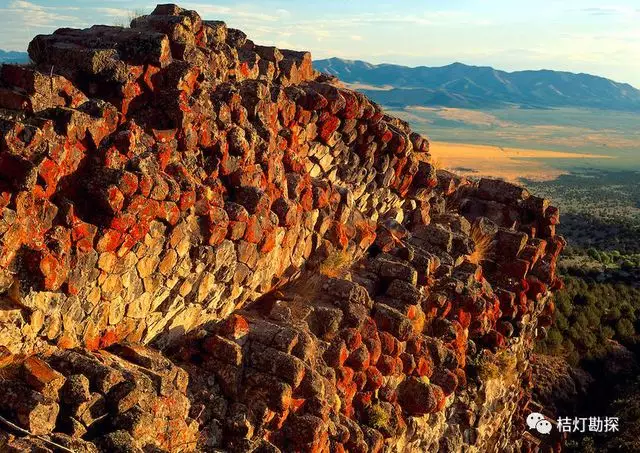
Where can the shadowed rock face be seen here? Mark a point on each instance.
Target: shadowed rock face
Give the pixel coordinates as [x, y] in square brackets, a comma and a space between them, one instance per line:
[205, 244]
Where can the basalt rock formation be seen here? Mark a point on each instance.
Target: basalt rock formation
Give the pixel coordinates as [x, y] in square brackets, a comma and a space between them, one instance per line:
[206, 245]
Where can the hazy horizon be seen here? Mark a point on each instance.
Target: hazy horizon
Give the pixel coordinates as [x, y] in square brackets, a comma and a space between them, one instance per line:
[575, 36]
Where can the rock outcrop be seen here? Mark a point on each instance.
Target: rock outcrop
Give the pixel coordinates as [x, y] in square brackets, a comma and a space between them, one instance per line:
[206, 245]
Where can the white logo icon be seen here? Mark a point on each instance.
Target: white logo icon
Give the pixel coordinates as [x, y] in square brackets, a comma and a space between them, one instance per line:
[536, 421]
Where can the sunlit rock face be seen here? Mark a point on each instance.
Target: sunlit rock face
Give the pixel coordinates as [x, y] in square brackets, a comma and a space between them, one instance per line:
[206, 245]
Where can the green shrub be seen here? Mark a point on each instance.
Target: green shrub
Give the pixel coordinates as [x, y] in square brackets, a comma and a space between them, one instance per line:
[624, 328]
[588, 314]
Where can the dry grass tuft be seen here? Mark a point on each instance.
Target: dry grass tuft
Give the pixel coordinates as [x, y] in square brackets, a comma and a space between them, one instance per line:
[125, 21]
[507, 364]
[502, 365]
[483, 246]
[488, 370]
[436, 162]
[335, 264]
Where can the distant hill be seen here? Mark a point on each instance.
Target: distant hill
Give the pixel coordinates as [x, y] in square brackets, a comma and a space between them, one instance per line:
[13, 57]
[463, 86]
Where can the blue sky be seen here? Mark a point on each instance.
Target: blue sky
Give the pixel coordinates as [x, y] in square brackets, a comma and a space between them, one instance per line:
[596, 37]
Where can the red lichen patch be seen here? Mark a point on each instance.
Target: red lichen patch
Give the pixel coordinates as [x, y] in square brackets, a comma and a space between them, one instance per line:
[234, 327]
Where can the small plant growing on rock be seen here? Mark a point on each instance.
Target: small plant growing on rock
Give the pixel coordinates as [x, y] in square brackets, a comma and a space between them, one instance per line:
[438, 164]
[487, 369]
[335, 263]
[507, 363]
[501, 365]
[378, 417]
[483, 245]
[125, 21]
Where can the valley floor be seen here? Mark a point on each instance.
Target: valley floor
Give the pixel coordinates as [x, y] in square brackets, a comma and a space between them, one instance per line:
[535, 144]
[510, 164]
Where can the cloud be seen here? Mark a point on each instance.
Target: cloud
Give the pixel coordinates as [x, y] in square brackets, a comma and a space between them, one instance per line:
[605, 11]
[620, 12]
[114, 12]
[33, 6]
[236, 12]
[21, 20]
[283, 12]
[615, 35]
[436, 19]
[34, 15]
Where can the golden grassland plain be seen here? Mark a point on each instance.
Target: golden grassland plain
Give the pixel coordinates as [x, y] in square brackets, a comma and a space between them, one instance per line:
[510, 164]
[518, 143]
[570, 129]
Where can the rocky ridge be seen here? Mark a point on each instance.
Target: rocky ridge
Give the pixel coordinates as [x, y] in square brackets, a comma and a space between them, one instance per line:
[206, 245]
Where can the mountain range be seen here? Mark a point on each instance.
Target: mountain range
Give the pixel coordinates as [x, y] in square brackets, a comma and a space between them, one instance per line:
[10, 56]
[464, 86]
